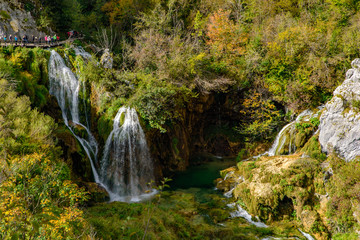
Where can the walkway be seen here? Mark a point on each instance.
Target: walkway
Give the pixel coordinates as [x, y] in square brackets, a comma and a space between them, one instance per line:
[37, 44]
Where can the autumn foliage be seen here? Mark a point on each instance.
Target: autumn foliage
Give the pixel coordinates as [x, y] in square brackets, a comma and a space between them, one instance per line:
[225, 36]
[37, 198]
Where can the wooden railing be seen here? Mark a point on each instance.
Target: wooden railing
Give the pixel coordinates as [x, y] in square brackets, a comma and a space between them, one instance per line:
[38, 44]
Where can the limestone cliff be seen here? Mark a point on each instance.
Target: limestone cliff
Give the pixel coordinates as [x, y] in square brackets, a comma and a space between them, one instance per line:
[15, 20]
[340, 120]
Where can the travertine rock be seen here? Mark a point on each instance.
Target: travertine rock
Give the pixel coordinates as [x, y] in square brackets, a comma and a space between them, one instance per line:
[340, 120]
[15, 20]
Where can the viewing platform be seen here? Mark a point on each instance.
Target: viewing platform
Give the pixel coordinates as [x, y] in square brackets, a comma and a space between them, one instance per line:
[35, 44]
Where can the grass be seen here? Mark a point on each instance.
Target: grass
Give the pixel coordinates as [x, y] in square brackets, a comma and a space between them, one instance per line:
[178, 216]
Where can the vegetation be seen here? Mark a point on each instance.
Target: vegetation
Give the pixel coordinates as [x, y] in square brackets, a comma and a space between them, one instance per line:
[37, 197]
[344, 191]
[270, 59]
[176, 216]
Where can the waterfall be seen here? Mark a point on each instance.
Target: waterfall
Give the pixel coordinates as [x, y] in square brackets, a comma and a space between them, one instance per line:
[286, 137]
[126, 166]
[65, 87]
[80, 51]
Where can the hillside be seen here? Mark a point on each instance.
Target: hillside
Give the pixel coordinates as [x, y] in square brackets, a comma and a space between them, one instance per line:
[154, 89]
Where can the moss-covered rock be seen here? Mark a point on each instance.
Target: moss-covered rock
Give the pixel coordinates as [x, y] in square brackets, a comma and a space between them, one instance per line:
[97, 193]
[280, 188]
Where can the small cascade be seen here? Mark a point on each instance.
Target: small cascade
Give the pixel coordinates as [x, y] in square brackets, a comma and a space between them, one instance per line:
[308, 236]
[80, 51]
[240, 212]
[285, 140]
[65, 87]
[126, 166]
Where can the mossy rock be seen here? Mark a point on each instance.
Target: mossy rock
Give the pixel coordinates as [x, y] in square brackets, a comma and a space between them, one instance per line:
[79, 130]
[277, 186]
[97, 193]
[300, 139]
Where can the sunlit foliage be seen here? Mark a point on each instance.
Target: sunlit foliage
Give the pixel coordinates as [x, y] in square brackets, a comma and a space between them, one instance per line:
[37, 198]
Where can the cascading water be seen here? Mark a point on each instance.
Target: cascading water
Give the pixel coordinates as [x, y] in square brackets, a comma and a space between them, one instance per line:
[286, 137]
[126, 166]
[80, 51]
[65, 87]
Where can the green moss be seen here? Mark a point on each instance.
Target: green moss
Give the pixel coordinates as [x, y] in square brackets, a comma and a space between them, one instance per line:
[104, 127]
[177, 216]
[346, 236]
[343, 188]
[313, 149]
[5, 15]
[175, 142]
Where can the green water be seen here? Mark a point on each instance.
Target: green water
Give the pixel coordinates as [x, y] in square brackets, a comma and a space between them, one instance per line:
[202, 175]
[190, 209]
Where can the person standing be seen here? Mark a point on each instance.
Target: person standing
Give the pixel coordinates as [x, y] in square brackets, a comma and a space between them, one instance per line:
[10, 39]
[15, 38]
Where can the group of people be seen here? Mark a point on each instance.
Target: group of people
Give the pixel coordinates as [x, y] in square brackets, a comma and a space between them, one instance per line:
[25, 39]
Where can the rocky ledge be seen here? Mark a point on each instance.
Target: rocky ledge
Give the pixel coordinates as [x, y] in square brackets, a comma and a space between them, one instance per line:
[340, 120]
[15, 20]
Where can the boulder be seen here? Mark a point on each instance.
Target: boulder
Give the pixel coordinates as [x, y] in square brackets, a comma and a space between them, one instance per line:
[339, 128]
[107, 59]
[274, 187]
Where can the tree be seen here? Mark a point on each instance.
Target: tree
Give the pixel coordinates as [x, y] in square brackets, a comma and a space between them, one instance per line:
[37, 197]
[224, 36]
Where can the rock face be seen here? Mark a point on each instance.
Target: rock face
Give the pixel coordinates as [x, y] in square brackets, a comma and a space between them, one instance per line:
[340, 120]
[15, 20]
[205, 126]
[106, 59]
[279, 188]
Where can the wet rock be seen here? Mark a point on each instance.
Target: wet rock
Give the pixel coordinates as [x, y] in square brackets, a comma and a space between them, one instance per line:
[97, 193]
[340, 120]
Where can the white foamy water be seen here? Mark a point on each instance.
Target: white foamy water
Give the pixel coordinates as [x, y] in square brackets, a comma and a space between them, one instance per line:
[126, 167]
[240, 212]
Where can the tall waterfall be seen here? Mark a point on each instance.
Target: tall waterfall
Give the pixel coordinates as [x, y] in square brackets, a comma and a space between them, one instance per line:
[65, 87]
[126, 166]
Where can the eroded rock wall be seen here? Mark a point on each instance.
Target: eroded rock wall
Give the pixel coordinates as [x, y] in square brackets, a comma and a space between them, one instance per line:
[15, 20]
[340, 120]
